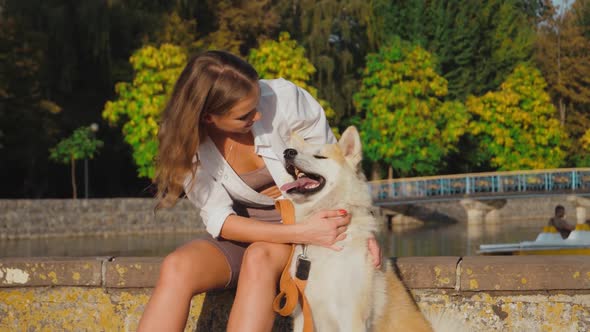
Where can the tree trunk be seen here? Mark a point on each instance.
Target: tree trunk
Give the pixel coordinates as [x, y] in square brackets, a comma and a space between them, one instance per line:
[561, 111]
[375, 173]
[74, 190]
[561, 105]
[390, 173]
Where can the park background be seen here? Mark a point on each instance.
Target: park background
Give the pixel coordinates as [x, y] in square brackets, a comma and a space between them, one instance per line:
[436, 87]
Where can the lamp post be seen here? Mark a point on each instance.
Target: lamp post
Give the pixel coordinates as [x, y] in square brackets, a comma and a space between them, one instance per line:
[94, 129]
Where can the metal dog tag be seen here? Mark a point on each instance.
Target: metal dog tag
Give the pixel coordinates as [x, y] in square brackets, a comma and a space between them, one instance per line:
[302, 268]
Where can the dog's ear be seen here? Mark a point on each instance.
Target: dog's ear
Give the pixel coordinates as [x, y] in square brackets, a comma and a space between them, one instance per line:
[350, 144]
[296, 141]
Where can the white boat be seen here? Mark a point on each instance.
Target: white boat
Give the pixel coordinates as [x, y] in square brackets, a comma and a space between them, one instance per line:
[548, 242]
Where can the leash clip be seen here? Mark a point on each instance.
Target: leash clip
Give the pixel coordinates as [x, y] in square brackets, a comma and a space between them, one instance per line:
[303, 265]
[304, 253]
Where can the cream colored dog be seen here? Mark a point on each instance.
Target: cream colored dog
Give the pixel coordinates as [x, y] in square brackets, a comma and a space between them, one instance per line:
[345, 291]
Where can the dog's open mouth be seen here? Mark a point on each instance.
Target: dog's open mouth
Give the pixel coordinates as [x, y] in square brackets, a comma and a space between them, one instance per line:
[305, 183]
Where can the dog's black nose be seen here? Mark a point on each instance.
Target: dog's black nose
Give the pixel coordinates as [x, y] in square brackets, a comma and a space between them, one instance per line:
[289, 154]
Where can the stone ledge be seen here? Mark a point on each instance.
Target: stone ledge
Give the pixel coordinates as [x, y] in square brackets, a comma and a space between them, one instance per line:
[524, 273]
[467, 274]
[428, 272]
[125, 272]
[51, 271]
[106, 309]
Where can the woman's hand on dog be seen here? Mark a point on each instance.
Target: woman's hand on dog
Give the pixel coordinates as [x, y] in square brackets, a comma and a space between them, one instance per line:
[325, 228]
[375, 251]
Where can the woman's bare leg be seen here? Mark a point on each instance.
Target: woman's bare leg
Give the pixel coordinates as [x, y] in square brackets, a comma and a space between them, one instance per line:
[259, 275]
[193, 268]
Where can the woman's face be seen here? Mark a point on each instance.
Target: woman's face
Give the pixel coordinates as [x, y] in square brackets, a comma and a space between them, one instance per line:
[240, 118]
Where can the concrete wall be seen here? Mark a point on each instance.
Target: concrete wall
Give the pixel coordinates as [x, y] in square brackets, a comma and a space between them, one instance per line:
[23, 218]
[542, 293]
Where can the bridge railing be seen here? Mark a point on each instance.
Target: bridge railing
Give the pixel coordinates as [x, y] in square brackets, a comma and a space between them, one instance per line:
[570, 180]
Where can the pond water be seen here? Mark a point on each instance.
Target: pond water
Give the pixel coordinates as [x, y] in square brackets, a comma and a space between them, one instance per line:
[431, 240]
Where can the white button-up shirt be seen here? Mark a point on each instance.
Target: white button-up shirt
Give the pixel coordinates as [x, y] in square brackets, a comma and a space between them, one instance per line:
[284, 108]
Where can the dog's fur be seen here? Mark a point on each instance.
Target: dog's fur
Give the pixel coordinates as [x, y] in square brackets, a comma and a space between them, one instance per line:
[345, 290]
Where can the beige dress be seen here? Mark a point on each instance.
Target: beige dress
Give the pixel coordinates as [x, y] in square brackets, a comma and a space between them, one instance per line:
[233, 251]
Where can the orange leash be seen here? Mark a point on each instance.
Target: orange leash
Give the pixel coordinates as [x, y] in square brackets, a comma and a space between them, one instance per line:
[292, 289]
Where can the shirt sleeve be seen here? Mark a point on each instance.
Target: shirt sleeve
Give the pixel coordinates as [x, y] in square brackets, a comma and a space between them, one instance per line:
[309, 119]
[212, 199]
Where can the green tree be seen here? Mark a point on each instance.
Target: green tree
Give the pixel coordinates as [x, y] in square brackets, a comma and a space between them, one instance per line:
[66, 55]
[405, 18]
[582, 12]
[583, 153]
[406, 124]
[80, 145]
[285, 58]
[140, 102]
[337, 34]
[515, 126]
[180, 32]
[477, 43]
[563, 55]
[28, 119]
[240, 23]
[508, 40]
[579, 152]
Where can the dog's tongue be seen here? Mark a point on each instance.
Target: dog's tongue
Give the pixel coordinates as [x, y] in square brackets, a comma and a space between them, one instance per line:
[299, 183]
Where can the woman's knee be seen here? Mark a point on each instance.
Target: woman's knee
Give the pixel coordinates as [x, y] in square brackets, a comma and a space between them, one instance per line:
[263, 259]
[175, 268]
[191, 268]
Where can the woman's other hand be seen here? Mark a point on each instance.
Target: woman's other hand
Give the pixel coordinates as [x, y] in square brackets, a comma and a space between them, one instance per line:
[375, 251]
[325, 228]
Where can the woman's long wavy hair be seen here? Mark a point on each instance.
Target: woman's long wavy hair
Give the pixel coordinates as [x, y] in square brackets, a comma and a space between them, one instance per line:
[211, 83]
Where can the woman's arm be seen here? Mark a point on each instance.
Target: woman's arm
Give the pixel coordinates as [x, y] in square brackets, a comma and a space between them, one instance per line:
[332, 225]
[324, 228]
[375, 251]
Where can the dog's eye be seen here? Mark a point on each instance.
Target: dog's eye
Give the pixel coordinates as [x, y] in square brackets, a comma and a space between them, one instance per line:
[316, 156]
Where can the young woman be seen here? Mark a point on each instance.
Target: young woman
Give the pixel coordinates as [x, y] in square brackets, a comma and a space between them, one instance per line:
[222, 138]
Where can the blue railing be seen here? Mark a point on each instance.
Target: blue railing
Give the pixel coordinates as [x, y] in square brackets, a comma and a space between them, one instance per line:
[555, 181]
